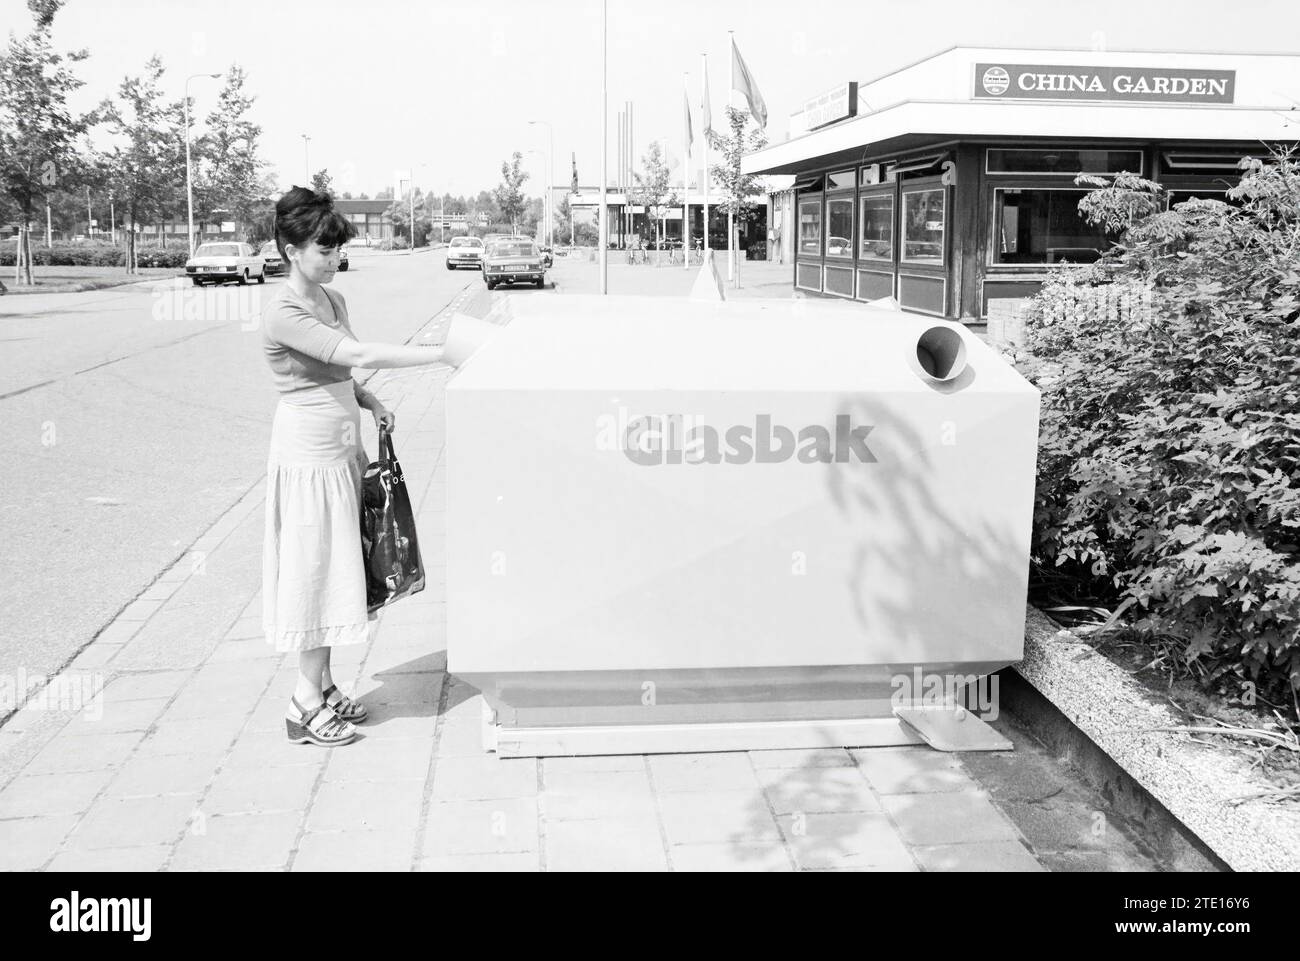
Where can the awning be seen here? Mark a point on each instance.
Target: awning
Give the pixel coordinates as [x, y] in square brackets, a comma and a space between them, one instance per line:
[916, 123]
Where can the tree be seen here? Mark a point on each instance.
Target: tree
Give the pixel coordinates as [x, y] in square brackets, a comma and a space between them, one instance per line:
[739, 189]
[231, 175]
[147, 163]
[654, 190]
[399, 212]
[322, 183]
[508, 195]
[532, 216]
[564, 225]
[39, 133]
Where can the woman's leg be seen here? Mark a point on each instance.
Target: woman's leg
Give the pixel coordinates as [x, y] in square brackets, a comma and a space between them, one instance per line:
[311, 664]
[326, 678]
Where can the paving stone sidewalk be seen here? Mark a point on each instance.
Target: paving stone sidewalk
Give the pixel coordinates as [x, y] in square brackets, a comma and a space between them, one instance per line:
[181, 763]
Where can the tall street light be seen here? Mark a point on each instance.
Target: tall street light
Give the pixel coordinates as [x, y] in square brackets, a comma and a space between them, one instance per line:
[306, 160]
[550, 181]
[189, 188]
[604, 156]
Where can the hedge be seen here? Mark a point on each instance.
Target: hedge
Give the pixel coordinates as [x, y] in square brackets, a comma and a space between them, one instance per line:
[98, 255]
[1169, 454]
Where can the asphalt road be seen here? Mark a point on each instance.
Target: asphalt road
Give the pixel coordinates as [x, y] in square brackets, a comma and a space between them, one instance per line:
[131, 419]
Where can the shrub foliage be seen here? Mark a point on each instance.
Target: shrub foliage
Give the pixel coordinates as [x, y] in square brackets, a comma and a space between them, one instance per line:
[99, 255]
[1169, 460]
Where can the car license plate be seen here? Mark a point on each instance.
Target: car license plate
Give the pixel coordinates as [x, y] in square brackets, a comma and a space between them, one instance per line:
[517, 267]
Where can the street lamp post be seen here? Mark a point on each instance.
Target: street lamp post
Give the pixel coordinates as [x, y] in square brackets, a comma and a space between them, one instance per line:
[189, 189]
[550, 180]
[604, 153]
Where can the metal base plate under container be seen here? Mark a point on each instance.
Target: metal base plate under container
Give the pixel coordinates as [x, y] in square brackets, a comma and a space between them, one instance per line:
[752, 710]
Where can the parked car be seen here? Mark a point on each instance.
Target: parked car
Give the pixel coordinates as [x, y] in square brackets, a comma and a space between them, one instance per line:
[465, 252]
[343, 258]
[223, 261]
[513, 262]
[272, 262]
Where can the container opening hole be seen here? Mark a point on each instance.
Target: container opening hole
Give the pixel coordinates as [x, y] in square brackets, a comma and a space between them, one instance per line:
[941, 353]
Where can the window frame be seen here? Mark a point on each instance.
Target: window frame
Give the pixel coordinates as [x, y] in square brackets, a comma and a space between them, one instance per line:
[994, 190]
[875, 193]
[816, 201]
[839, 196]
[922, 188]
[1063, 174]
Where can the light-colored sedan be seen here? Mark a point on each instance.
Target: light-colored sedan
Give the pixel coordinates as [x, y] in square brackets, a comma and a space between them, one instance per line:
[464, 252]
[223, 261]
[513, 262]
[272, 262]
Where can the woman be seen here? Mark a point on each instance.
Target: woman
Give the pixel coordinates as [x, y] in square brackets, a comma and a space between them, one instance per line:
[314, 587]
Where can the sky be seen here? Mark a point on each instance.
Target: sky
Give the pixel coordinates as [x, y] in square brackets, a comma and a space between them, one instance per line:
[447, 87]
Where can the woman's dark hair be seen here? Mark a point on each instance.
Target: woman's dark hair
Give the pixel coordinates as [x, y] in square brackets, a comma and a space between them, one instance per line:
[303, 216]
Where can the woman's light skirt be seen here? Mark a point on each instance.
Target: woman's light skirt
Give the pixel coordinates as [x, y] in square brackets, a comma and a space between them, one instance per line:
[313, 576]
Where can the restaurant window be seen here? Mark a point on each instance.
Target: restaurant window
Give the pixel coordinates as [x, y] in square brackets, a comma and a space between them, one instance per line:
[923, 226]
[1185, 163]
[916, 166]
[839, 227]
[877, 227]
[810, 228]
[840, 180]
[1037, 226]
[1173, 197]
[1067, 162]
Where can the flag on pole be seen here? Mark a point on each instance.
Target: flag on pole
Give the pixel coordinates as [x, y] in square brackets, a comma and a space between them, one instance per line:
[690, 133]
[707, 113]
[574, 157]
[742, 81]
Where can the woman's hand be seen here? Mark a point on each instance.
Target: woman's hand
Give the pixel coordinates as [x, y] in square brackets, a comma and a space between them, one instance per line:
[385, 419]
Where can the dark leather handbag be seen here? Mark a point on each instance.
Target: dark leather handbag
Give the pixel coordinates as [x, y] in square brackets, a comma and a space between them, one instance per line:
[389, 545]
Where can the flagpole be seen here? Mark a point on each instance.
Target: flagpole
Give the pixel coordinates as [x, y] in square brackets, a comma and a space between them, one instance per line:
[686, 175]
[733, 265]
[706, 122]
[603, 233]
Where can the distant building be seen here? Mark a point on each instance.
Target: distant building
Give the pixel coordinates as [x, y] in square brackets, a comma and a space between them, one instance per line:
[628, 219]
[370, 217]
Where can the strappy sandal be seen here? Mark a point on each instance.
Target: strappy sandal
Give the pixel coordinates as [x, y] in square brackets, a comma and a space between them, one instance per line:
[342, 705]
[318, 726]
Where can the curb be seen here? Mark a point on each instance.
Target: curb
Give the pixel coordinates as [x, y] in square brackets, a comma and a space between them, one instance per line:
[1091, 711]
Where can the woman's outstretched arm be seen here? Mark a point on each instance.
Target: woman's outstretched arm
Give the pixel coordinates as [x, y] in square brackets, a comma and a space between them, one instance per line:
[378, 355]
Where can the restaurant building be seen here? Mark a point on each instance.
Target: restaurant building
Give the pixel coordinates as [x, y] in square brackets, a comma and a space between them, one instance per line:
[369, 217]
[950, 183]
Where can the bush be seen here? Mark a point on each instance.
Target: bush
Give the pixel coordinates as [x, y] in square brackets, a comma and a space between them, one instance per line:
[1169, 458]
[757, 251]
[394, 243]
[98, 255]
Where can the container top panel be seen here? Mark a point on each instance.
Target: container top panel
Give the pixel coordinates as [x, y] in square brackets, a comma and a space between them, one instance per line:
[652, 343]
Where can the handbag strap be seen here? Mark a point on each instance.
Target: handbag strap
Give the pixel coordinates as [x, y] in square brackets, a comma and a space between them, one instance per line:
[386, 447]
